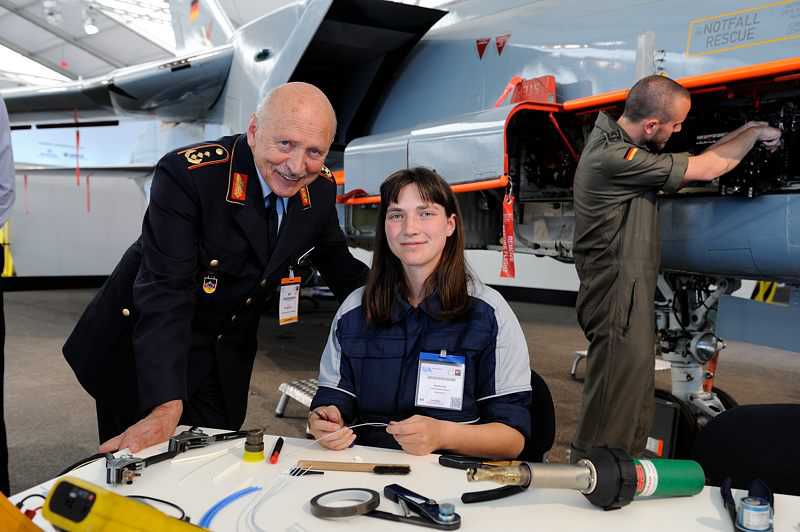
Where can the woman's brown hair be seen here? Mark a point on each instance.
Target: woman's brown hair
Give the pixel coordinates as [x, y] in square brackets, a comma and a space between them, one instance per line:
[386, 276]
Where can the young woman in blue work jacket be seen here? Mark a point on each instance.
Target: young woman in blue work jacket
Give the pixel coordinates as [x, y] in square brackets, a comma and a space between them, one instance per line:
[426, 356]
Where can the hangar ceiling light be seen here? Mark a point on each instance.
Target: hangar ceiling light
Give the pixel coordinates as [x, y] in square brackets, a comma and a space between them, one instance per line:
[70, 39]
[149, 18]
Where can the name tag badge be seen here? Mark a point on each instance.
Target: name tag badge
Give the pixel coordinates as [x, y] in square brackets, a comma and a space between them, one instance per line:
[289, 301]
[440, 381]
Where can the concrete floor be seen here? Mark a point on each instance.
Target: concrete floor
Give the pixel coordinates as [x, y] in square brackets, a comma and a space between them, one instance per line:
[51, 421]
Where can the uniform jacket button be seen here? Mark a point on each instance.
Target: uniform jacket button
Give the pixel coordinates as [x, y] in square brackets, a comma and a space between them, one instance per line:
[219, 338]
[126, 312]
[263, 283]
[233, 318]
[213, 263]
[249, 301]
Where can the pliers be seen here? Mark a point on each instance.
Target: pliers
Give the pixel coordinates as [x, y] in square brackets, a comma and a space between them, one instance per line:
[467, 462]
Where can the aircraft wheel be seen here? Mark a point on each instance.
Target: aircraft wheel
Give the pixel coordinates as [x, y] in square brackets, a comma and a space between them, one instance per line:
[725, 398]
[687, 427]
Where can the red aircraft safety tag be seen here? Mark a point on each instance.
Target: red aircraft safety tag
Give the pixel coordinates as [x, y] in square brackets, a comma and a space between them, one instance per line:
[507, 268]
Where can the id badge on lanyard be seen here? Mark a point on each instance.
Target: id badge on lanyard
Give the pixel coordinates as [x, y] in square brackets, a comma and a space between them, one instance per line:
[289, 301]
[440, 381]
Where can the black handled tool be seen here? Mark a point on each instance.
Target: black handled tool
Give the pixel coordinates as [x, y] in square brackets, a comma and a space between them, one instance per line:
[124, 469]
[428, 512]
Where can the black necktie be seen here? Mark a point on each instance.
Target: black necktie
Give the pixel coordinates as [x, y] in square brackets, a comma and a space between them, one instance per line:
[272, 223]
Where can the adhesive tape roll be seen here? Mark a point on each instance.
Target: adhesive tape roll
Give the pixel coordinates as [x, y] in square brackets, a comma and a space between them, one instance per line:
[345, 502]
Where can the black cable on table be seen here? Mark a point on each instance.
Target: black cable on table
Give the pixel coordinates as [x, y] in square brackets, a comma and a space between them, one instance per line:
[22, 502]
[82, 462]
[183, 516]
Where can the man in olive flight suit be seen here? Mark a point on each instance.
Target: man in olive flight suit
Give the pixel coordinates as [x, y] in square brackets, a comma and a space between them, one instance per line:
[618, 253]
[171, 336]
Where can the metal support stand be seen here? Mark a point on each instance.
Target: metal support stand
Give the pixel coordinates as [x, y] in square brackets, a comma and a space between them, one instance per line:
[302, 391]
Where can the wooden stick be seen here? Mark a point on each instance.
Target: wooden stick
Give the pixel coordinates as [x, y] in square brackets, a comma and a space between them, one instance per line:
[358, 467]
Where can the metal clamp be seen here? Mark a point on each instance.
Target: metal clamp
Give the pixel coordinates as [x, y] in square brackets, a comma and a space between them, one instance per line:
[124, 469]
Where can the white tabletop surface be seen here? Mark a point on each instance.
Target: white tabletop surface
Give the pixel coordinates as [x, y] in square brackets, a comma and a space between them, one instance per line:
[199, 478]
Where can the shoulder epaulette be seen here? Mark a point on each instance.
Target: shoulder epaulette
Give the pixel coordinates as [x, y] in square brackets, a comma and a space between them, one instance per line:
[327, 174]
[205, 155]
[613, 136]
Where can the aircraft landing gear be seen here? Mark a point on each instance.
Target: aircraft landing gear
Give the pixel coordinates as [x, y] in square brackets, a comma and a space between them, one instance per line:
[686, 307]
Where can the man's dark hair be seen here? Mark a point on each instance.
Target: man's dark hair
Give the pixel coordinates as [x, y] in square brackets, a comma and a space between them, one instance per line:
[652, 97]
[386, 278]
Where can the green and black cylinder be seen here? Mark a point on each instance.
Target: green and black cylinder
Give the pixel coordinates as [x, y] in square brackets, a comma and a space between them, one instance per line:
[609, 478]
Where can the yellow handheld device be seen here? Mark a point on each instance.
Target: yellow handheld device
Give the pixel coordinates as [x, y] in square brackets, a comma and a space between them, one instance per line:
[77, 505]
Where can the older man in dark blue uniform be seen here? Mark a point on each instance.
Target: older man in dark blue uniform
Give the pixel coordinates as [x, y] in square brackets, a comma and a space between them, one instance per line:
[171, 336]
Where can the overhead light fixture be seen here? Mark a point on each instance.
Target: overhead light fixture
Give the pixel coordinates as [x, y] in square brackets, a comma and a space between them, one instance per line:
[88, 21]
[89, 26]
[52, 12]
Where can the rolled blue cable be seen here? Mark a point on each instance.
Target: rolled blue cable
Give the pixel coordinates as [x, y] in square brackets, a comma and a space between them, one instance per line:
[212, 512]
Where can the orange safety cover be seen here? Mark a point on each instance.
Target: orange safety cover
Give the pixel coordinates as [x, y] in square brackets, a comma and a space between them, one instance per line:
[541, 89]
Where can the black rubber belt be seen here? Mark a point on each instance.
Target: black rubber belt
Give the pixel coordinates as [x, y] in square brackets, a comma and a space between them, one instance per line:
[364, 501]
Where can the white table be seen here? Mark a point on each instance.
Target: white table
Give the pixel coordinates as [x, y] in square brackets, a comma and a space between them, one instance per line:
[199, 478]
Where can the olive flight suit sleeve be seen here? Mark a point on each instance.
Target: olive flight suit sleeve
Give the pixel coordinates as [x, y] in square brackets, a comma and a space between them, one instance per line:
[163, 290]
[632, 168]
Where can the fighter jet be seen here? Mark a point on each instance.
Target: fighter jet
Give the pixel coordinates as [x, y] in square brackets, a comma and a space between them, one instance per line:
[498, 97]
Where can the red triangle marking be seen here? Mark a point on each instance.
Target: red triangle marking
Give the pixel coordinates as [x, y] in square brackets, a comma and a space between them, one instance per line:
[501, 41]
[481, 44]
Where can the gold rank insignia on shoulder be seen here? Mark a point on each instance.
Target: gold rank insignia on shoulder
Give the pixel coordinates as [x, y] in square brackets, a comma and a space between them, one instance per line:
[630, 153]
[205, 155]
[237, 188]
[305, 198]
[326, 174]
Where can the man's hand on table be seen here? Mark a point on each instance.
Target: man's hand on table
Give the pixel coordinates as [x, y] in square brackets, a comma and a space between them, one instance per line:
[157, 427]
[324, 422]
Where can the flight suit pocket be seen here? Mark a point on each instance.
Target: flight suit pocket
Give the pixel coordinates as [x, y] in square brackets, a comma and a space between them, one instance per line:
[597, 303]
[628, 309]
[584, 308]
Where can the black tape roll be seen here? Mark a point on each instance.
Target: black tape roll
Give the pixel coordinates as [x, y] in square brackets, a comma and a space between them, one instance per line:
[364, 501]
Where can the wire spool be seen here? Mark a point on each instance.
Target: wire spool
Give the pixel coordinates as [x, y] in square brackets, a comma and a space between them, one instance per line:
[755, 515]
[345, 502]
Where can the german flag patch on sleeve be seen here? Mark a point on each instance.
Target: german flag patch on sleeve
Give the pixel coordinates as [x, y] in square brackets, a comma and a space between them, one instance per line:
[630, 153]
